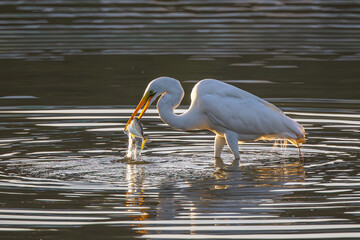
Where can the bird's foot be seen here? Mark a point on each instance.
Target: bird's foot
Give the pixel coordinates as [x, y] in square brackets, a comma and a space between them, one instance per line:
[234, 166]
[219, 163]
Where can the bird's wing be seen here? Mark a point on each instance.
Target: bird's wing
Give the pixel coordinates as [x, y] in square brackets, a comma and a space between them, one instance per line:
[246, 115]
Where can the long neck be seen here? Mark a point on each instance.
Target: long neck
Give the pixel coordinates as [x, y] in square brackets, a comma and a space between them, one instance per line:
[166, 106]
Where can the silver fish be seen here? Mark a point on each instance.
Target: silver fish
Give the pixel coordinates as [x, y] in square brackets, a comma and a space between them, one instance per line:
[136, 130]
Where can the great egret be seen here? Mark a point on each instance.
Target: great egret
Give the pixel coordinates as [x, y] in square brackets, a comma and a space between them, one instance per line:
[234, 115]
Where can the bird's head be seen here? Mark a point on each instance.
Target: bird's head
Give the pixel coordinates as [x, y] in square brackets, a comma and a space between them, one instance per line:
[155, 88]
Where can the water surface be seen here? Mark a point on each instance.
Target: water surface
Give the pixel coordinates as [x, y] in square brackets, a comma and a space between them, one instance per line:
[72, 73]
[62, 174]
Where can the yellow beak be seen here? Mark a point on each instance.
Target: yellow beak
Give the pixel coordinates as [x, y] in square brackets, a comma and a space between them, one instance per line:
[144, 101]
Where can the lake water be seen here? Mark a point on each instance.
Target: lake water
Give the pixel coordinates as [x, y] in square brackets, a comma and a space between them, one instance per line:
[73, 72]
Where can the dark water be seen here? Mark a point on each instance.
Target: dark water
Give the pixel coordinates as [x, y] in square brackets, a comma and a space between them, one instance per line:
[73, 71]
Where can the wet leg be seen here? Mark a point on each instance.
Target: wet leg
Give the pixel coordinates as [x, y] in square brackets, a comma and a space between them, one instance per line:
[219, 145]
[232, 141]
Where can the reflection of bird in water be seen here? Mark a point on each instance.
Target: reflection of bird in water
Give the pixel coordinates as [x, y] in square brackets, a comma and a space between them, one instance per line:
[234, 115]
[275, 174]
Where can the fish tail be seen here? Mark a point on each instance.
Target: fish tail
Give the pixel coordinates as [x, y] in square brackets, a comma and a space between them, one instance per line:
[143, 142]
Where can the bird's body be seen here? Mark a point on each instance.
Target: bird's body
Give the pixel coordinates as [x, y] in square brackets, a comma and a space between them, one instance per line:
[233, 114]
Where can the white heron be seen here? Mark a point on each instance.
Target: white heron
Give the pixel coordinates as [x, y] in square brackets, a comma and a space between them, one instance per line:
[234, 115]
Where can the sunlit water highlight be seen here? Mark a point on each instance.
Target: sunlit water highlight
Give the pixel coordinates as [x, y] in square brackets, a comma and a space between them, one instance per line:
[57, 174]
[66, 64]
[56, 29]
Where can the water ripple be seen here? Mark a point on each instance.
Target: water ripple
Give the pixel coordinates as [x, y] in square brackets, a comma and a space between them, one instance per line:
[210, 199]
[52, 30]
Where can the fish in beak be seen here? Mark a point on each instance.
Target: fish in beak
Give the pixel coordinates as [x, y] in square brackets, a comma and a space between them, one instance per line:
[136, 130]
[144, 101]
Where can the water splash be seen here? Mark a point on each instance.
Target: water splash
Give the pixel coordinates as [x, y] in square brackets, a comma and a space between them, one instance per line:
[133, 152]
[71, 185]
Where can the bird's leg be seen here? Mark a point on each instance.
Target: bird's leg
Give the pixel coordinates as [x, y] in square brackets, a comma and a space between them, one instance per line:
[219, 163]
[232, 141]
[219, 145]
[235, 165]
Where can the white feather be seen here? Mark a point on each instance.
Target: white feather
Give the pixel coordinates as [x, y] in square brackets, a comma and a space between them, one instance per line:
[231, 113]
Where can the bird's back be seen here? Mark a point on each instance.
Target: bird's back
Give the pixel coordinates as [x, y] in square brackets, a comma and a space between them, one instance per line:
[239, 111]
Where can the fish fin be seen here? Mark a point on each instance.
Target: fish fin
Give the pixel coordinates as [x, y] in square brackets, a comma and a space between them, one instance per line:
[143, 142]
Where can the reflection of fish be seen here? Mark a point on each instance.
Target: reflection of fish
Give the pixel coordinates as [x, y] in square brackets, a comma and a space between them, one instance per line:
[136, 130]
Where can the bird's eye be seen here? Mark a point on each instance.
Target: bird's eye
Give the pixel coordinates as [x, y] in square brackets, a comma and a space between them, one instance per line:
[151, 93]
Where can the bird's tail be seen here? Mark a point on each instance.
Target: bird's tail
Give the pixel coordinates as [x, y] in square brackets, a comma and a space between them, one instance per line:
[291, 132]
[283, 142]
[294, 134]
[297, 136]
[297, 142]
